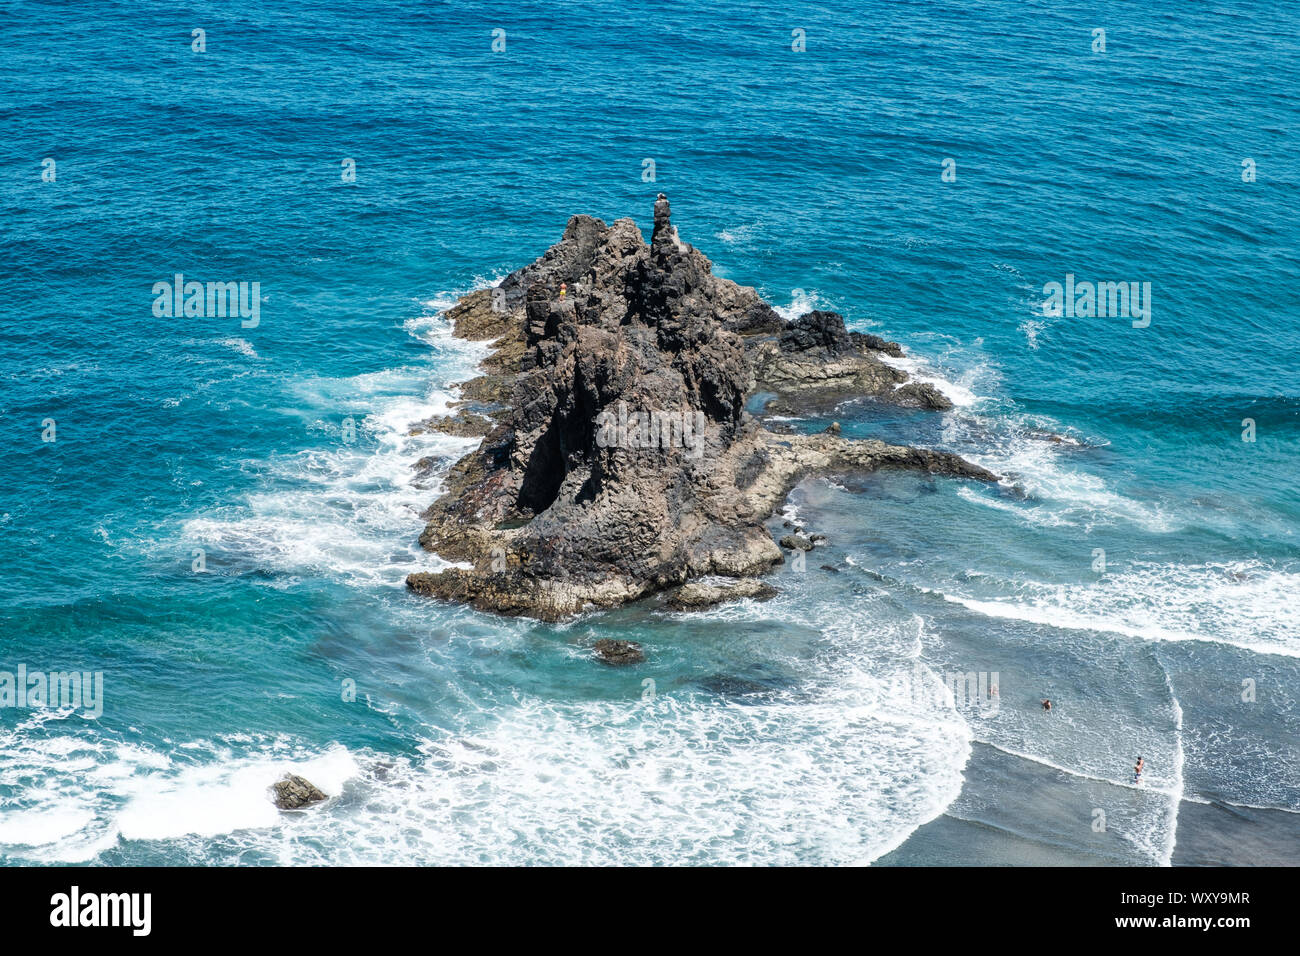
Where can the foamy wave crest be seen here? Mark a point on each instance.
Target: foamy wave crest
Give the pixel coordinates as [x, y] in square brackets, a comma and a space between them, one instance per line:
[1032, 329]
[111, 791]
[350, 506]
[440, 302]
[838, 780]
[920, 371]
[219, 797]
[1055, 491]
[803, 301]
[1247, 604]
[348, 511]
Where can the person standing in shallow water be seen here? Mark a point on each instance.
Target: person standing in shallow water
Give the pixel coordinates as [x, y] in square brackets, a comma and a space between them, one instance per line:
[1137, 770]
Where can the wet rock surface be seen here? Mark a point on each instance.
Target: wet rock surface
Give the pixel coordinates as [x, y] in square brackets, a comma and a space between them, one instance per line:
[797, 542]
[618, 652]
[295, 793]
[697, 595]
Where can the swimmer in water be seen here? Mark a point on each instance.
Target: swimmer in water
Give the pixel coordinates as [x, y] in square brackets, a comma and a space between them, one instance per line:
[1047, 704]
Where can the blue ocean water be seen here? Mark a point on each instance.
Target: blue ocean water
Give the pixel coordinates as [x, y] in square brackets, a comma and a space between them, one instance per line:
[280, 457]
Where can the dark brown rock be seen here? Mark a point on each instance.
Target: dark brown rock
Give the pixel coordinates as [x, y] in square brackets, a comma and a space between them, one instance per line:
[464, 424]
[922, 395]
[295, 793]
[619, 652]
[874, 343]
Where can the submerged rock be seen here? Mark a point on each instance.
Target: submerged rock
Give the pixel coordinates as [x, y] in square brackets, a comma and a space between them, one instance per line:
[621, 460]
[730, 685]
[294, 792]
[1055, 438]
[619, 652]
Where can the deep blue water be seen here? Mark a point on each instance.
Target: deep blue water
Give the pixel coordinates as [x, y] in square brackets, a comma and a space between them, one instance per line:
[776, 732]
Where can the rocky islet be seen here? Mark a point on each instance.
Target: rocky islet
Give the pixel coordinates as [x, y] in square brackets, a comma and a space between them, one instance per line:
[557, 510]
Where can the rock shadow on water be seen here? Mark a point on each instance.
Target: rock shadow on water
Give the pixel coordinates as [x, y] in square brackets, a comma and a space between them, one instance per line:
[751, 689]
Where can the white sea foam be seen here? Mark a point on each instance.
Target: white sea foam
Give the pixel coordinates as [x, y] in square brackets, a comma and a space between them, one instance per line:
[1116, 781]
[349, 507]
[1246, 604]
[1175, 797]
[692, 782]
[803, 301]
[840, 775]
[958, 392]
[737, 234]
[99, 791]
[1032, 329]
[444, 300]
[242, 346]
[1055, 490]
[221, 797]
[838, 771]
[44, 825]
[921, 371]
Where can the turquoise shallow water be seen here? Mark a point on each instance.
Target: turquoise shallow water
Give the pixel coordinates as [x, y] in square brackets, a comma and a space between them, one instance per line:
[805, 730]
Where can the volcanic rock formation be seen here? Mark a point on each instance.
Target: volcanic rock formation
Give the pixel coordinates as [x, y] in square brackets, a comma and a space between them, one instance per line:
[618, 458]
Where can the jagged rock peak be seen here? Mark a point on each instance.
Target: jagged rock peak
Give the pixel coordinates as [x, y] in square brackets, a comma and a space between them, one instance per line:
[619, 458]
